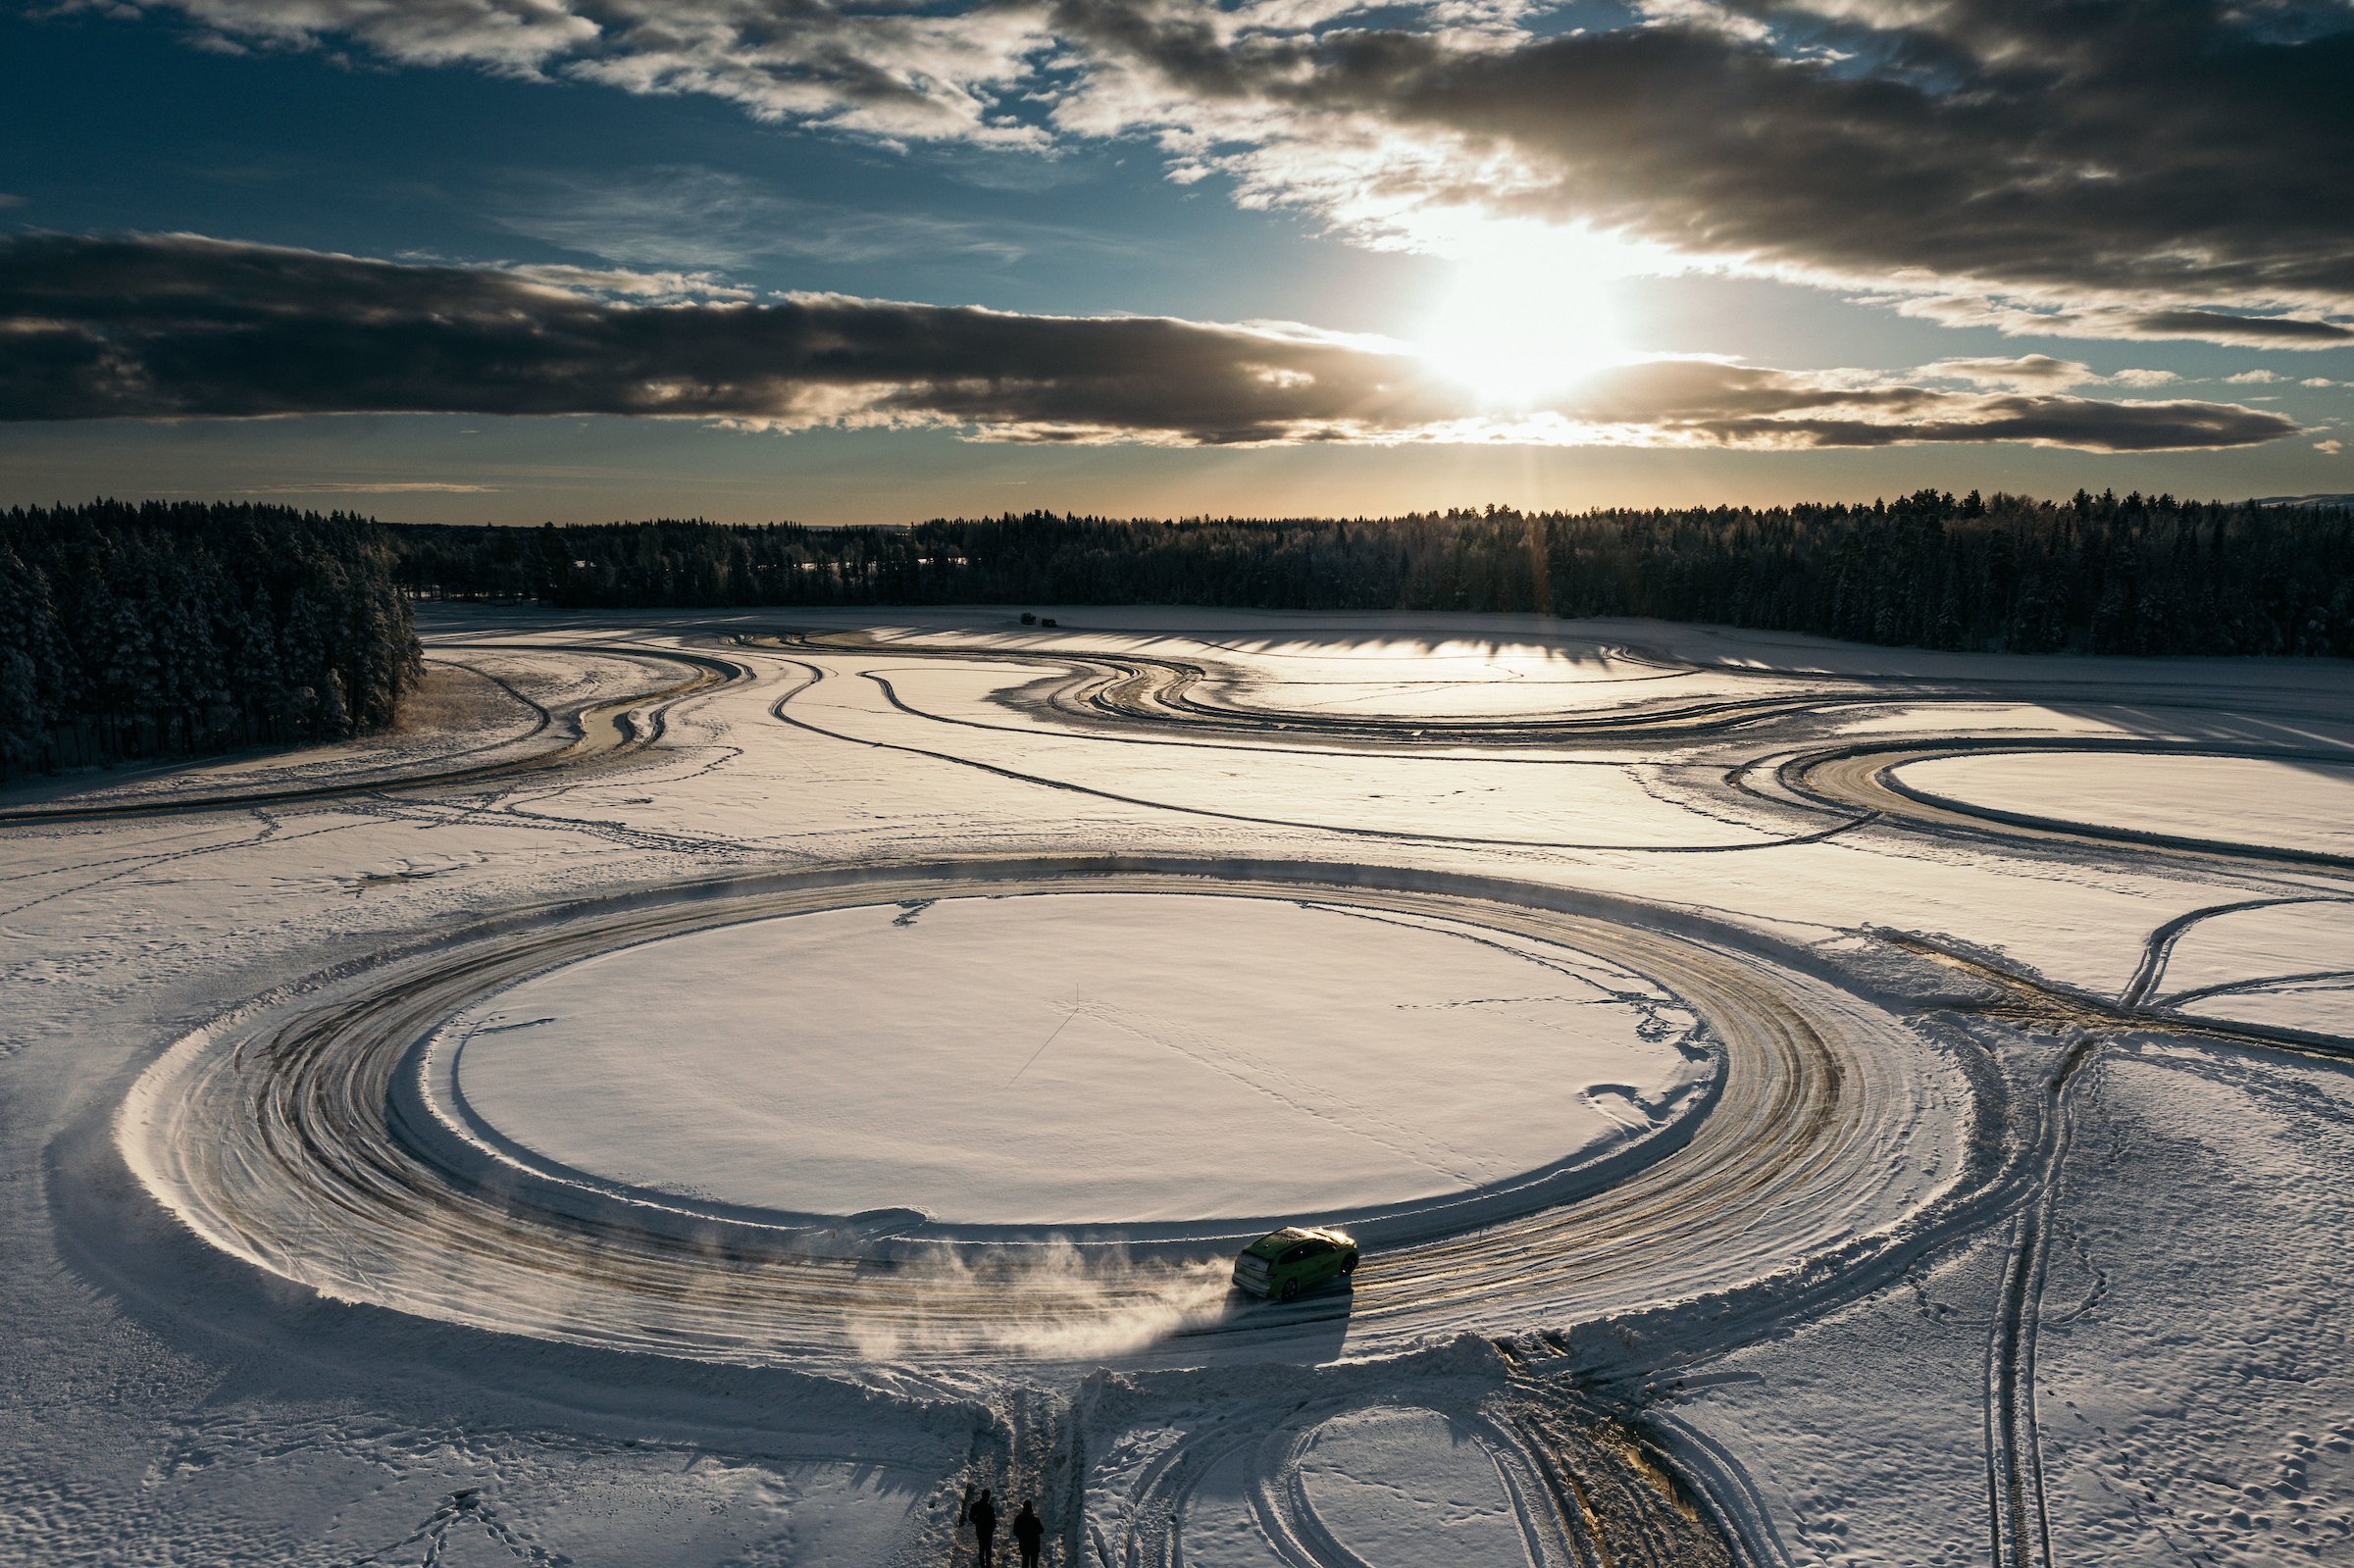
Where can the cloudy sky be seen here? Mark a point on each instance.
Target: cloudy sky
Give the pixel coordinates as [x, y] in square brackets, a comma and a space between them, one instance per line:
[516, 259]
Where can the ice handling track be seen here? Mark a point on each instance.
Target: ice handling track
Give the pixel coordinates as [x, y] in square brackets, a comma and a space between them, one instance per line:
[285, 1136]
[601, 732]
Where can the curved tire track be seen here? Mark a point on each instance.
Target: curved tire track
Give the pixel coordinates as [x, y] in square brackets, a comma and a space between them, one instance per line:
[601, 732]
[1131, 689]
[1862, 778]
[1142, 691]
[280, 1140]
[1390, 835]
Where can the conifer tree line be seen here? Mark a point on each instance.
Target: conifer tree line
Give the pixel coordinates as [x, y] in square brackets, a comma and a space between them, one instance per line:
[158, 630]
[171, 629]
[2094, 574]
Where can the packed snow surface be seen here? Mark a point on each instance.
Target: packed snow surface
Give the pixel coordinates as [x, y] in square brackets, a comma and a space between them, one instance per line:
[2289, 963]
[1397, 1487]
[1076, 1058]
[2289, 805]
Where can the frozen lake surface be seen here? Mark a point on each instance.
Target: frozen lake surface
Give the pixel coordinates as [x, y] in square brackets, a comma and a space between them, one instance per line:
[1077, 1058]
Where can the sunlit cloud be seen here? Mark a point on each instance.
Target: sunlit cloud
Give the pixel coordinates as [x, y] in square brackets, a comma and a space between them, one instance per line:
[181, 326]
[2032, 372]
[2026, 371]
[2124, 321]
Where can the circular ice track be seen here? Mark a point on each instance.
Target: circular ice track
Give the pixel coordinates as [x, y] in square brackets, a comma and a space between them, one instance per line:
[2260, 803]
[1075, 1063]
[304, 1136]
[2286, 803]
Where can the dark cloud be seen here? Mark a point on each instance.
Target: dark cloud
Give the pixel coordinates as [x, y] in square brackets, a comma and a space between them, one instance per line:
[2260, 330]
[2075, 422]
[183, 326]
[2170, 151]
[2116, 168]
[2015, 319]
[885, 69]
[1705, 402]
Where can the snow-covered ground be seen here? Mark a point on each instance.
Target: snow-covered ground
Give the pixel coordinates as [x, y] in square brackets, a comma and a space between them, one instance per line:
[1982, 1224]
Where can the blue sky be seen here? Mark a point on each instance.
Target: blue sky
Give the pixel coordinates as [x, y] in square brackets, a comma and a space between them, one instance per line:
[1422, 275]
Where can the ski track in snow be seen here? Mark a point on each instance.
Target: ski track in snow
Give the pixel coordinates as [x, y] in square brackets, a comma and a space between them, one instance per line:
[322, 1317]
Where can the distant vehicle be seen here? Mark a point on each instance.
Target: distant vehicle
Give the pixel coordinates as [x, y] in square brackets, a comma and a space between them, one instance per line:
[1283, 1263]
[1028, 619]
[1047, 619]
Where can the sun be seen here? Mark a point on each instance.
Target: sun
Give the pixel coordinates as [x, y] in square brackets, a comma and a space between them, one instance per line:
[1525, 315]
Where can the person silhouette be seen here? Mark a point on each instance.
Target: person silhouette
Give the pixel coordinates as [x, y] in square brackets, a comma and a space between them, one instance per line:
[1029, 1530]
[985, 1530]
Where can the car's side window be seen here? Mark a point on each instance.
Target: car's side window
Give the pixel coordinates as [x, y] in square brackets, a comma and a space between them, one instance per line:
[1294, 1254]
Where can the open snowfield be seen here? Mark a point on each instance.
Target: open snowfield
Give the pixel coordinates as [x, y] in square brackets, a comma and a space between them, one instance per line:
[717, 1085]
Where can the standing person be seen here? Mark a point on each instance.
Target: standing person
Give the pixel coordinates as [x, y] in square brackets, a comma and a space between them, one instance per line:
[985, 1530]
[1027, 1532]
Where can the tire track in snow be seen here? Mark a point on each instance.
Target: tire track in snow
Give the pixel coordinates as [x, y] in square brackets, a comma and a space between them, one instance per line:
[292, 1142]
[2159, 947]
[2019, 1513]
[1393, 836]
[2312, 977]
[2036, 1000]
[1863, 778]
[2021, 1520]
[1078, 668]
[602, 732]
[1131, 689]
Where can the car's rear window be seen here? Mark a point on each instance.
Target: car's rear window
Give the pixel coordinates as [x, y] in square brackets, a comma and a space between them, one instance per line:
[1267, 1246]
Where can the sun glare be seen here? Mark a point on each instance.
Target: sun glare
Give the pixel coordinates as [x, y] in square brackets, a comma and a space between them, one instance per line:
[1526, 314]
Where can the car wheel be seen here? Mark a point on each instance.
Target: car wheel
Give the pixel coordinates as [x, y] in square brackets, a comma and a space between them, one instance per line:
[1349, 1265]
[1291, 1290]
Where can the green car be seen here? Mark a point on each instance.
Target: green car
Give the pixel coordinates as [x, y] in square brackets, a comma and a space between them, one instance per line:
[1283, 1263]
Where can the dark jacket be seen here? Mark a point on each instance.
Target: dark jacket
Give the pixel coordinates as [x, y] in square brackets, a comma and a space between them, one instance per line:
[1028, 1528]
[985, 1518]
